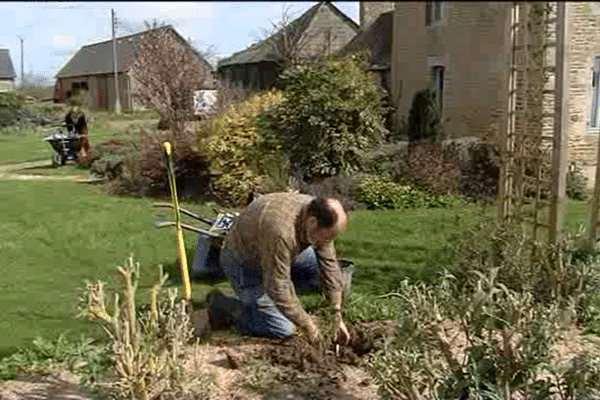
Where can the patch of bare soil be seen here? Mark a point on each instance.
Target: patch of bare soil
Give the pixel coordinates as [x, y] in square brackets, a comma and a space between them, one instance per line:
[59, 385]
[291, 368]
[297, 370]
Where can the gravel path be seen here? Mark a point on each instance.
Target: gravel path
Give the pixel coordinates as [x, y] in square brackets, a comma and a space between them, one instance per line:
[56, 386]
[7, 172]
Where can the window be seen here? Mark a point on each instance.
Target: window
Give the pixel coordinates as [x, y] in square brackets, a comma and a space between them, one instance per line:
[594, 112]
[433, 12]
[437, 73]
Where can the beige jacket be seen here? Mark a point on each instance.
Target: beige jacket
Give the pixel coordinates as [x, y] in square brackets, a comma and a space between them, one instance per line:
[270, 234]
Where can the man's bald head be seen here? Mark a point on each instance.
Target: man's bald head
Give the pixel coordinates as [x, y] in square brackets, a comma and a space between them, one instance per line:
[325, 218]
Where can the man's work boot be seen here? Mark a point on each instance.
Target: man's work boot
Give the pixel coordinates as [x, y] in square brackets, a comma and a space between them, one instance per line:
[223, 311]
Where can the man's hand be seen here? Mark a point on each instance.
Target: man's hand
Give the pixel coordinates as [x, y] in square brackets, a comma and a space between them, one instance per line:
[342, 336]
[312, 331]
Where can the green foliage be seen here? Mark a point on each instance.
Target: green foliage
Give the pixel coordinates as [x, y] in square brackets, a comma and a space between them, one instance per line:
[424, 122]
[8, 99]
[501, 294]
[382, 193]
[330, 116]
[237, 159]
[8, 116]
[576, 182]
[84, 356]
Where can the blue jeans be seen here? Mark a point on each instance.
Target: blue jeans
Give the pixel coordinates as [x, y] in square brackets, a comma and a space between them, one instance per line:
[260, 316]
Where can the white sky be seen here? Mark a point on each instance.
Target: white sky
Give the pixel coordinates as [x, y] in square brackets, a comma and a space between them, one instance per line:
[54, 31]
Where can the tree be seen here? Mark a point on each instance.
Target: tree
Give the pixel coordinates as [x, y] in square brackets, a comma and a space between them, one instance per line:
[167, 70]
[330, 117]
[424, 122]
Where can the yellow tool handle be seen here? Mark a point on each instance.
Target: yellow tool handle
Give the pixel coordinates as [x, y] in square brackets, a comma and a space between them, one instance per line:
[181, 256]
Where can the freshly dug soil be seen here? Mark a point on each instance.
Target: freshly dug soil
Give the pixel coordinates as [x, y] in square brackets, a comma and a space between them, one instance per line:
[303, 371]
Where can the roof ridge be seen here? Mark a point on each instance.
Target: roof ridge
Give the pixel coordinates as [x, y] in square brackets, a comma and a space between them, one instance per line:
[302, 22]
[128, 36]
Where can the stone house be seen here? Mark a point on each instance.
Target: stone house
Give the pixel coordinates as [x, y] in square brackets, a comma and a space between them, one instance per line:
[7, 72]
[322, 29]
[375, 36]
[462, 51]
[92, 69]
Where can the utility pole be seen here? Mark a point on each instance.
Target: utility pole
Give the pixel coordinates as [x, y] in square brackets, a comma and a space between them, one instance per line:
[22, 68]
[117, 102]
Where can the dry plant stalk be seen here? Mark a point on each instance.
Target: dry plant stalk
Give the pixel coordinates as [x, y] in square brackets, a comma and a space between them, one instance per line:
[147, 347]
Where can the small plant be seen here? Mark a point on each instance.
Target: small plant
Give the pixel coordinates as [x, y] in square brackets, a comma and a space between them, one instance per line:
[576, 182]
[8, 116]
[148, 348]
[382, 193]
[84, 356]
[8, 100]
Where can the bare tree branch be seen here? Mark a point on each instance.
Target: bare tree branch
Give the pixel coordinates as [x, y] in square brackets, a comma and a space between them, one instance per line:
[291, 44]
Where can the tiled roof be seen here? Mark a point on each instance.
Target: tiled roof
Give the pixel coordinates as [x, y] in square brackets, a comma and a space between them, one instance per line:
[377, 38]
[262, 51]
[7, 70]
[97, 58]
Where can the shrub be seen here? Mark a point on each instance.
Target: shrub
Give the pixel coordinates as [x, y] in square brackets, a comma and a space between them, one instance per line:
[424, 122]
[148, 346]
[330, 116]
[8, 100]
[488, 299]
[138, 168]
[479, 171]
[237, 160]
[382, 193]
[576, 182]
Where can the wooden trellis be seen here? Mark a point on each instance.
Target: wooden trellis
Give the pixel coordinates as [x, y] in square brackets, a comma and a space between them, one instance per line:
[533, 150]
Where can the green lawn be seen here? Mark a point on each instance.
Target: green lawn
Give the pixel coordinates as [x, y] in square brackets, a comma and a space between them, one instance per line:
[102, 125]
[56, 235]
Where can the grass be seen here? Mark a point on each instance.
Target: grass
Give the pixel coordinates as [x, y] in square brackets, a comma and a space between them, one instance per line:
[29, 146]
[56, 235]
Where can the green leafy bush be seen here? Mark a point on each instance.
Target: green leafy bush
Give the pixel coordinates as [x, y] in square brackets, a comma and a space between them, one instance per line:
[424, 122]
[8, 117]
[8, 108]
[237, 159]
[331, 115]
[8, 99]
[576, 182]
[382, 193]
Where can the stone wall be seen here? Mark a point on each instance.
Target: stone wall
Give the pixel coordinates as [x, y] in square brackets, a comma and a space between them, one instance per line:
[470, 43]
[583, 38]
[370, 10]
